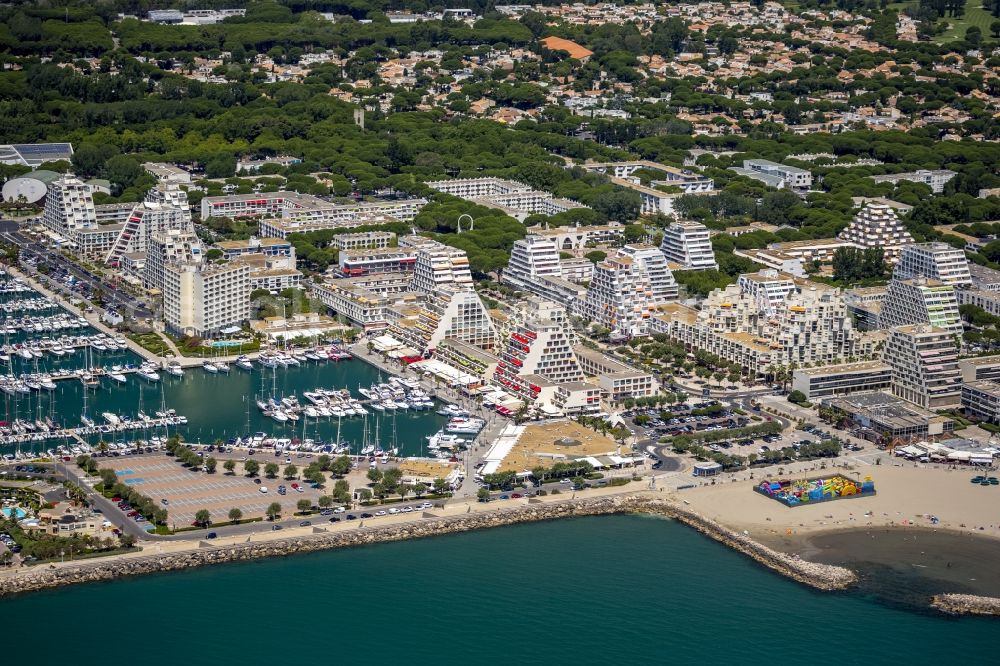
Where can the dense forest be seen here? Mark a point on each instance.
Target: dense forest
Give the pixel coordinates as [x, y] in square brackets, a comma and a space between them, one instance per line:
[125, 103]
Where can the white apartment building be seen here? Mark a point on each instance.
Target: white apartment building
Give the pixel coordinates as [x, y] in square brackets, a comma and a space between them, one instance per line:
[165, 208]
[358, 305]
[292, 206]
[654, 264]
[621, 296]
[820, 249]
[94, 242]
[69, 207]
[938, 261]
[774, 259]
[576, 238]
[204, 299]
[168, 247]
[475, 188]
[768, 287]
[577, 269]
[983, 278]
[981, 399]
[687, 180]
[936, 179]
[272, 273]
[924, 361]
[516, 199]
[285, 213]
[687, 243]
[616, 380]
[371, 240]
[437, 265]
[451, 312]
[353, 263]
[168, 172]
[812, 326]
[877, 226]
[531, 258]
[829, 381]
[540, 346]
[920, 301]
[775, 174]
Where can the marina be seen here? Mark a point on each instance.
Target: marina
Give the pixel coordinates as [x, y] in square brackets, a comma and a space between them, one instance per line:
[55, 387]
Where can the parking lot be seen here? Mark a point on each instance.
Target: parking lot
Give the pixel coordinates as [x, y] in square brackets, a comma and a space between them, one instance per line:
[188, 491]
[686, 420]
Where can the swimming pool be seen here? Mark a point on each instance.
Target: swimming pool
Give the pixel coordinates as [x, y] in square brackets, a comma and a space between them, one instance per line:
[19, 513]
[230, 343]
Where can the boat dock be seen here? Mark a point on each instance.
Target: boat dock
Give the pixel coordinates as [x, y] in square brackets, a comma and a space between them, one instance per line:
[24, 432]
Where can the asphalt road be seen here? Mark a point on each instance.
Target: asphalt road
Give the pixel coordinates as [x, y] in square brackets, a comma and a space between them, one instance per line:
[29, 248]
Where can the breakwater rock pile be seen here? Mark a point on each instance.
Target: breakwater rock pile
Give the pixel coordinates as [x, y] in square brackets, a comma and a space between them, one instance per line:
[966, 604]
[820, 576]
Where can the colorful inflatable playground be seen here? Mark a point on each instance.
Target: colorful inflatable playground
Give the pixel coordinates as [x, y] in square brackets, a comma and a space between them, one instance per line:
[810, 491]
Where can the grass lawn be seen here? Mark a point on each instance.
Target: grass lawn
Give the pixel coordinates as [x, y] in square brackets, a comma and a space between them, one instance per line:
[151, 342]
[974, 15]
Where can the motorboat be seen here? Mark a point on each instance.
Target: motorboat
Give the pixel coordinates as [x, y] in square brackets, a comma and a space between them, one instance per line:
[118, 377]
[210, 367]
[148, 374]
[175, 369]
[243, 363]
[222, 366]
[465, 426]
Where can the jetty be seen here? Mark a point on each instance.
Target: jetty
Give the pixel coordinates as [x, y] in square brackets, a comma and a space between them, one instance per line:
[161, 556]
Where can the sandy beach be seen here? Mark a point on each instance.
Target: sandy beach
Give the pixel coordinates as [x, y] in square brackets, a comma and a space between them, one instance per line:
[888, 538]
[906, 496]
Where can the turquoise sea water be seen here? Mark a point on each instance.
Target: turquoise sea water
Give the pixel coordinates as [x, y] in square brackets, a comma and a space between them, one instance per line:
[602, 590]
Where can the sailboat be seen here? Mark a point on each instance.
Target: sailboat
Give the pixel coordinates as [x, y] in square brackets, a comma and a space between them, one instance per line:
[84, 418]
[369, 447]
[87, 378]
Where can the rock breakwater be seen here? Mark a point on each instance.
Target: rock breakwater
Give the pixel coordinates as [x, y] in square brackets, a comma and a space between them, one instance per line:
[820, 576]
[966, 604]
